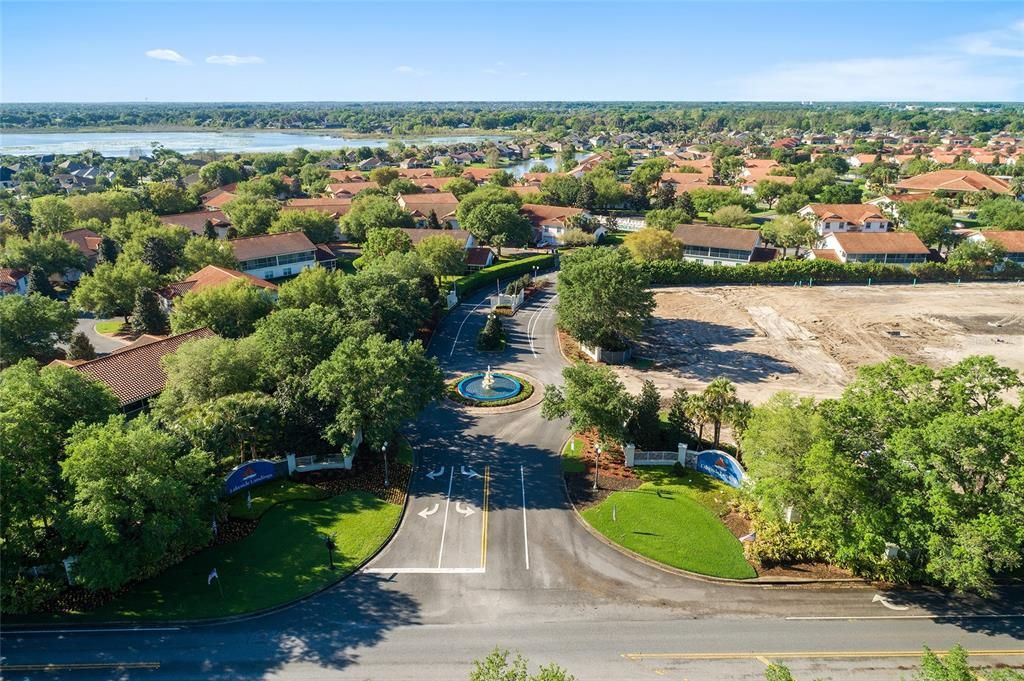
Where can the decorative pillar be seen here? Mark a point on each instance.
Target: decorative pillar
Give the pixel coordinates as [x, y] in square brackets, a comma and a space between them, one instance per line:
[291, 463]
[630, 451]
[681, 456]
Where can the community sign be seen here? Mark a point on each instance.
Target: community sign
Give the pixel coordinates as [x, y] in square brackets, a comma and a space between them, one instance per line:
[721, 465]
[249, 474]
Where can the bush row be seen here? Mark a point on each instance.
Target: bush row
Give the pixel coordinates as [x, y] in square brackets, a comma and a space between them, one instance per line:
[506, 271]
[824, 271]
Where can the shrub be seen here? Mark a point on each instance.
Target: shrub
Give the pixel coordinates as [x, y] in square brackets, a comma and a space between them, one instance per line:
[504, 271]
[517, 285]
[492, 336]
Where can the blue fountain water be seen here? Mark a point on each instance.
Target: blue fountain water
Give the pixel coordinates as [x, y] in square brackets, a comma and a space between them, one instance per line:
[501, 388]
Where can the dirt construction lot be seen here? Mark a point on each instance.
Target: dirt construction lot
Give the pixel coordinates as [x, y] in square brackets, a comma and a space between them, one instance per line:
[811, 340]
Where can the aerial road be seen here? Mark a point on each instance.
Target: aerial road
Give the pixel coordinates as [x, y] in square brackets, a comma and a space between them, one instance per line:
[490, 553]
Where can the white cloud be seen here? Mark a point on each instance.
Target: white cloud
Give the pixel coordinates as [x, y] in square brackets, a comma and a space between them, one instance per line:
[927, 78]
[405, 68]
[167, 55]
[490, 72]
[1002, 43]
[232, 60]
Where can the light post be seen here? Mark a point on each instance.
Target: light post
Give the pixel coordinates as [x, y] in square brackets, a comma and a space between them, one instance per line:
[331, 545]
[384, 451]
[597, 464]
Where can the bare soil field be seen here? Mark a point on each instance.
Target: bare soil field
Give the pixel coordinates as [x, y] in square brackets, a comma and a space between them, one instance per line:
[811, 340]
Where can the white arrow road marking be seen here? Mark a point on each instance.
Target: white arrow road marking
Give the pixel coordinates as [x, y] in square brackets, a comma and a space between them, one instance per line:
[470, 473]
[463, 510]
[428, 512]
[436, 474]
[884, 601]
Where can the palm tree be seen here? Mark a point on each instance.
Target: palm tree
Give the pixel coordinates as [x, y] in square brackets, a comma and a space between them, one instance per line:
[719, 397]
[739, 417]
[1017, 185]
[697, 412]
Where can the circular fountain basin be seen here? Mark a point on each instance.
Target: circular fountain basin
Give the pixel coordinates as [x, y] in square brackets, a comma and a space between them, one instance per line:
[503, 388]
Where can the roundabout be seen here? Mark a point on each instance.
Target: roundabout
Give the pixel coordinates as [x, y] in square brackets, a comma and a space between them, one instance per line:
[494, 392]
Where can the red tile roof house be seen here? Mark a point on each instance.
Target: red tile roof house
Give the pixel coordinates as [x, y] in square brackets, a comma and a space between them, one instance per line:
[209, 277]
[1013, 242]
[954, 181]
[195, 221]
[890, 248]
[87, 242]
[347, 190]
[271, 256]
[419, 206]
[13, 281]
[715, 245]
[135, 374]
[845, 217]
[217, 198]
[333, 207]
[550, 223]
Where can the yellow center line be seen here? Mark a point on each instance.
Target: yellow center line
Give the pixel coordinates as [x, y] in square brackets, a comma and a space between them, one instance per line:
[483, 533]
[77, 666]
[813, 654]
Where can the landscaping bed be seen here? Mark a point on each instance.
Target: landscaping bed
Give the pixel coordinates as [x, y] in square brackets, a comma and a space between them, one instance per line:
[452, 392]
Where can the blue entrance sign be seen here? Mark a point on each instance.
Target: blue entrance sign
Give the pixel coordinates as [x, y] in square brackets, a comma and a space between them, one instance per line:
[721, 465]
[249, 474]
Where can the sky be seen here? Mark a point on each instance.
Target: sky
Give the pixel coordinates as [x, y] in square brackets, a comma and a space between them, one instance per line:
[495, 50]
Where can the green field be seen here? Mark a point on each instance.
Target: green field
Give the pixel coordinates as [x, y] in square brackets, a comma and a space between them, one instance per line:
[674, 520]
[283, 559]
[109, 327]
[270, 494]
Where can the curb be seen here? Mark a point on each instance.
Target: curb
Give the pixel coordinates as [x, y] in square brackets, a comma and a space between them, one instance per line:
[725, 581]
[143, 625]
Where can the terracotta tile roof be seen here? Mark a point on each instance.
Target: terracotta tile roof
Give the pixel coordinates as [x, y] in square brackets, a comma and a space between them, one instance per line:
[782, 179]
[342, 189]
[825, 254]
[434, 183]
[417, 173]
[853, 213]
[885, 242]
[1013, 241]
[536, 178]
[136, 373]
[715, 236]
[477, 257]
[218, 198]
[86, 240]
[209, 277]
[479, 174]
[540, 214]
[195, 221]
[9, 278]
[529, 190]
[443, 204]
[347, 176]
[267, 245]
[684, 181]
[955, 181]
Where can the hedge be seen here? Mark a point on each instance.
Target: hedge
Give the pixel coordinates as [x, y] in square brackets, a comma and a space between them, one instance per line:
[825, 271]
[507, 271]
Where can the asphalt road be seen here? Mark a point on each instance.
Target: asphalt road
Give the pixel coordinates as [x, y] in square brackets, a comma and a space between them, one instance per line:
[489, 554]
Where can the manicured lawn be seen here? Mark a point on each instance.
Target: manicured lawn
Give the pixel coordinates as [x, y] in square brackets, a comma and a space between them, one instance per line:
[109, 327]
[266, 496]
[285, 558]
[571, 461]
[673, 520]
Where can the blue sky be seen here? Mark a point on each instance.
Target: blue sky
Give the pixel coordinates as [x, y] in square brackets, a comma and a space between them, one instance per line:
[495, 50]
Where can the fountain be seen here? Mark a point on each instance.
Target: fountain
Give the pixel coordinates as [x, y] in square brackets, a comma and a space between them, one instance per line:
[489, 386]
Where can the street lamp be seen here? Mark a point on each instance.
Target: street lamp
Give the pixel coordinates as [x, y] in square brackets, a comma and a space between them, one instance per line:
[597, 464]
[384, 451]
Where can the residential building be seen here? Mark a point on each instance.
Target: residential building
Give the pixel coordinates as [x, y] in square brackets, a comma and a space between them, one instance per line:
[271, 256]
[196, 220]
[135, 374]
[210, 276]
[954, 181]
[420, 206]
[347, 176]
[1012, 241]
[87, 242]
[890, 248]
[715, 245]
[347, 190]
[479, 175]
[216, 199]
[845, 217]
[479, 257]
[550, 223]
[13, 281]
[333, 207]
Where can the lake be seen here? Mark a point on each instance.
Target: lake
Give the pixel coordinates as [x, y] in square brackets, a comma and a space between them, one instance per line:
[129, 143]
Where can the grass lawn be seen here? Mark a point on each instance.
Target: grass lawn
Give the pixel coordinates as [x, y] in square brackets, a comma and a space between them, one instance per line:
[266, 496]
[571, 461]
[673, 520]
[283, 559]
[612, 239]
[109, 327]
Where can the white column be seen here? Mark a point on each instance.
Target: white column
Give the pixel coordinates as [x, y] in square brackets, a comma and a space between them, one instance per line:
[682, 453]
[630, 451]
[291, 463]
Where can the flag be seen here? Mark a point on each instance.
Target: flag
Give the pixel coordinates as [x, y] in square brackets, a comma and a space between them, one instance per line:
[213, 576]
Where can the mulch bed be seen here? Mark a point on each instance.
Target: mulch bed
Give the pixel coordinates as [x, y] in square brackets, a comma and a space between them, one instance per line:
[807, 570]
[614, 475]
[571, 348]
[367, 474]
